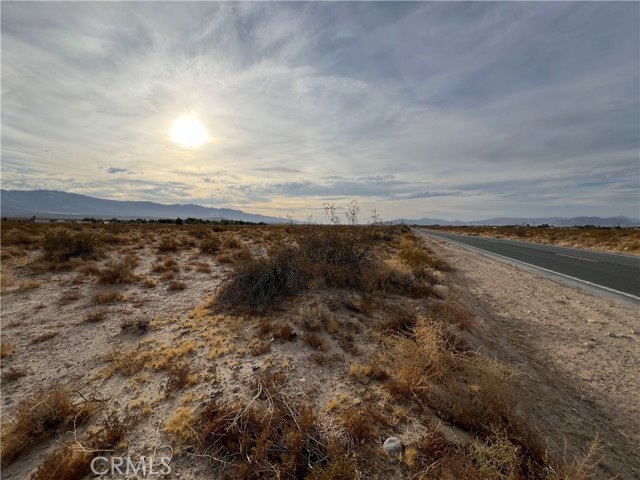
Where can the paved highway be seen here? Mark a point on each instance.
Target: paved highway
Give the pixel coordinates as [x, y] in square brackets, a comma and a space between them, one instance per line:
[620, 273]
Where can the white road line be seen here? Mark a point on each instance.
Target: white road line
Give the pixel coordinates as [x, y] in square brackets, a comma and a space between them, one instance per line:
[479, 250]
[579, 258]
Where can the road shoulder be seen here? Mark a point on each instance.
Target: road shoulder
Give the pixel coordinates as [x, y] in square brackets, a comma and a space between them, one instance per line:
[576, 351]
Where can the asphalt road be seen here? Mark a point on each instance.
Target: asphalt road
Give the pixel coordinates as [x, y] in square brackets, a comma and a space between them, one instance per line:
[620, 273]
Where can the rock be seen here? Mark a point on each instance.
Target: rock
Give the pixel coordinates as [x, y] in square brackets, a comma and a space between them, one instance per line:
[589, 344]
[612, 335]
[393, 446]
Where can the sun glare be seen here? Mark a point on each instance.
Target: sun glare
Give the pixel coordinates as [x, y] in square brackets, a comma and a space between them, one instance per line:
[188, 132]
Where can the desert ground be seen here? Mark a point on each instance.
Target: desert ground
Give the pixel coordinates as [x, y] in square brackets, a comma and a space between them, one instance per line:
[298, 351]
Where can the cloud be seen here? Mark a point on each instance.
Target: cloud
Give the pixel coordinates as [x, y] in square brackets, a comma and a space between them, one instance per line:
[458, 109]
[114, 170]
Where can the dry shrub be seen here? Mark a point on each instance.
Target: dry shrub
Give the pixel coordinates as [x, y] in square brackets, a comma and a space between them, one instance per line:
[398, 321]
[180, 375]
[365, 372]
[203, 267]
[137, 325]
[338, 256]
[168, 244]
[419, 361]
[582, 468]
[108, 296]
[87, 267]
[19, 236]
[96, 316]
[419, 259]
[39, 416]
[329, 256]
[232, 243]
[60, 245]
[497, 458]
[316, 342]
[256, 282]
[64, 463]
[286, 332]
[175, 286]
[119, 271]
[6, 349]
[479, 395]
[210, 245]
[71, 463]
[166, 264]
[277, 437]
[453, 314]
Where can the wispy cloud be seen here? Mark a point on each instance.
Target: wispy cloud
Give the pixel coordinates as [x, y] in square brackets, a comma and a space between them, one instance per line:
[461, 109]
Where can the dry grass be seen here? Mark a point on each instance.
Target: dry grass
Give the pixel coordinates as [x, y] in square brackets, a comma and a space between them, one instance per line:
[148, 356]
[6, 349]
[366, 372]
[280, 437]
[68, 462]
[180, 375]
[167, 264]
[316, 342]
[40, 416]
[168, 245]
[108, 296]
[119, 271]
[96, 316]
[210, 245]
[175, 286]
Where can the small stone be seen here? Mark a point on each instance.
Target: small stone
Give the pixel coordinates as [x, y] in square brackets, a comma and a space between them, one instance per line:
[393, 446]
[612, 335]
[589, 344]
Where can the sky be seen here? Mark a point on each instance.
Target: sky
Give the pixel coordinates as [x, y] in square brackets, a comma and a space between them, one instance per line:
[452, 110]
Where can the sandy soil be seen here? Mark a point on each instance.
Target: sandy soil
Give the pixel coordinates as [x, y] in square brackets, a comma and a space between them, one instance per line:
[576, 378]
[578, 354]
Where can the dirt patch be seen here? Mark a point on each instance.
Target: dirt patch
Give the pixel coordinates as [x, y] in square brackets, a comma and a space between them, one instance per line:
[578, 354]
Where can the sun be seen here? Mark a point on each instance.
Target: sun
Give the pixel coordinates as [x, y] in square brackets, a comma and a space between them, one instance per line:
[188, 132]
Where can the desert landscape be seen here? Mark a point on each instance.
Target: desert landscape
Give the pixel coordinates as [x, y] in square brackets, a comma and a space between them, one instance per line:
[290, 351]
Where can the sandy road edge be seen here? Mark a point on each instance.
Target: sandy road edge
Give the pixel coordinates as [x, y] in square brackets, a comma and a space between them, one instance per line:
[575, 349]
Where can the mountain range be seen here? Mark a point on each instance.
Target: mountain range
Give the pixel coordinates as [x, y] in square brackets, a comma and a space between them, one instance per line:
[57, 204]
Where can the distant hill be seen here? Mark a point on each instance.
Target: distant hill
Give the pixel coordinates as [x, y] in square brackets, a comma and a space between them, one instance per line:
[56, 204]
[553, 221]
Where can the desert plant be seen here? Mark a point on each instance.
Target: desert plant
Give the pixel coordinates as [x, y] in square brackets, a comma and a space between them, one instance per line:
[119, 271]
[210, 245]
[39, 416]
[257, 282]
[61, 245]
